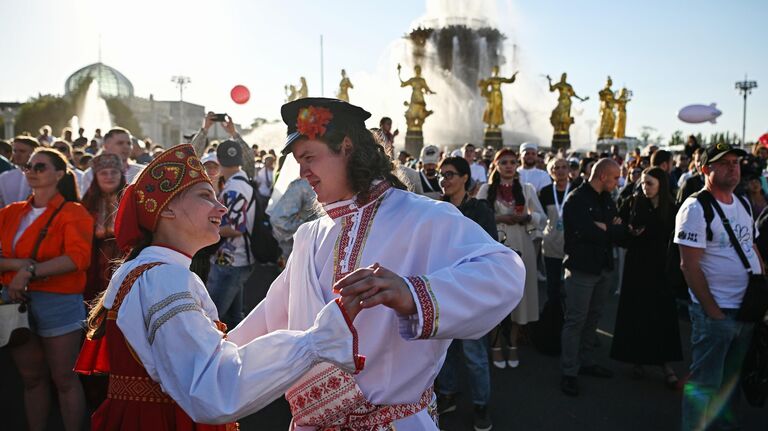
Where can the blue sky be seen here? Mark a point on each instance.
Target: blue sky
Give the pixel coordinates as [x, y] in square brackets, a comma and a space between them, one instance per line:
[669, 53]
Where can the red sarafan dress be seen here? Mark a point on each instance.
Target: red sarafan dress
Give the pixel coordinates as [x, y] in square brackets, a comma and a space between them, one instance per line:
[134, 401]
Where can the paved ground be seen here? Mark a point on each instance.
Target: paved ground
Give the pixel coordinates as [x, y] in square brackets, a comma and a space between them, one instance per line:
[526, 398]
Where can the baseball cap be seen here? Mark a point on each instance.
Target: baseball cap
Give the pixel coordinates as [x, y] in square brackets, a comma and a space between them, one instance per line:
[528, 146]
[715, 152]
[430, 154]
[229, 153]
[209, 157]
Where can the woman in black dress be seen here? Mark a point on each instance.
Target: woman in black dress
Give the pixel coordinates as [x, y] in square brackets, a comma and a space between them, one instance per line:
[647, 331]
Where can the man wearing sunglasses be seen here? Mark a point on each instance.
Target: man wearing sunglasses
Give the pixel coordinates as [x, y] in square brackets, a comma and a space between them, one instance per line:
[13, 185]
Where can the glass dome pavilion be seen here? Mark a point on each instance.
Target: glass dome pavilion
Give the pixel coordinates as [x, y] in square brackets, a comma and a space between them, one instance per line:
[112, 83]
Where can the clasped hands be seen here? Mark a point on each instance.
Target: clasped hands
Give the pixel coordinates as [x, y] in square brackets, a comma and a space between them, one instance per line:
[374, 285]
[18, 285]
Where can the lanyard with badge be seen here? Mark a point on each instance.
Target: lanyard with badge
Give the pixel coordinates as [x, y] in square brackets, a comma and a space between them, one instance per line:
[558, 205]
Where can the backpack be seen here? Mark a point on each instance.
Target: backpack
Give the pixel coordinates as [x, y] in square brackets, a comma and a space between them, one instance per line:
[259, 243]
[675, 278]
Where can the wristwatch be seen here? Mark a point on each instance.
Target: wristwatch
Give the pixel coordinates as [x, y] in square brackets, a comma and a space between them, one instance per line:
[31, 268]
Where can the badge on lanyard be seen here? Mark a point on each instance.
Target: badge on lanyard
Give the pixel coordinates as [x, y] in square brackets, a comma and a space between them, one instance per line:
[559, 205]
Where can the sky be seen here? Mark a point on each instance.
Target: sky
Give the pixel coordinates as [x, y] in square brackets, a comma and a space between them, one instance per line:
[669, 53]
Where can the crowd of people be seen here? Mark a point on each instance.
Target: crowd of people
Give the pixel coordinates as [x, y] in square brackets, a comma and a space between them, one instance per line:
[659, 220]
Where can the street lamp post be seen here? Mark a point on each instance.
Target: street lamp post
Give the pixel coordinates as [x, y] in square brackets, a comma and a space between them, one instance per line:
[745, 88]
[181, 81]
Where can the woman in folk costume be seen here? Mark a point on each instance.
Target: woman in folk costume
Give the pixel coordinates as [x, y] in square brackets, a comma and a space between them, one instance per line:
[155, 328]
[440, 275]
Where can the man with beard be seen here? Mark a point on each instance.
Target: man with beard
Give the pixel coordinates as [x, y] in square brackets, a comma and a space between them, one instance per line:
[528, 172]
[430, 156]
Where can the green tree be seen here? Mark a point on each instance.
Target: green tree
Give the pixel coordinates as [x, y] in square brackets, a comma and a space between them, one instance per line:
[54, 111]
[123, 116]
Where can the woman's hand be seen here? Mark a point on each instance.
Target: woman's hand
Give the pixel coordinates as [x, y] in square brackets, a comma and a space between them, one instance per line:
[372, 286]
[8, 264]
[18, 286]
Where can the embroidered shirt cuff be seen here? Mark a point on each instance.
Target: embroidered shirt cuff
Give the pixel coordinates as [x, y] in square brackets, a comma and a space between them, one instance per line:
[423, 324]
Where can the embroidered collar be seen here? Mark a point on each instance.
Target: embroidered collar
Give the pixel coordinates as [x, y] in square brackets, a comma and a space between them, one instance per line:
[343, 208]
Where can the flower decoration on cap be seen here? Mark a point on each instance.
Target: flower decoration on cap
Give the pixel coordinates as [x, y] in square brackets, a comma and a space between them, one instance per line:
[170, 173]
[312, 120]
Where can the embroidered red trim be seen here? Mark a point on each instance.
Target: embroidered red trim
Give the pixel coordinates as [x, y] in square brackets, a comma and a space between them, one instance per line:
[312, 120]
[376, 192]
[358, 359]
[428, 304]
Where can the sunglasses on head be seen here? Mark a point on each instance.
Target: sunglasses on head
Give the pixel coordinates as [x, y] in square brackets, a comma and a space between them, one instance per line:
[38, 167]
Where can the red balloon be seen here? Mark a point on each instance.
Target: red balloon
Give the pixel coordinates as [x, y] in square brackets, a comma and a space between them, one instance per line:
[240, 94]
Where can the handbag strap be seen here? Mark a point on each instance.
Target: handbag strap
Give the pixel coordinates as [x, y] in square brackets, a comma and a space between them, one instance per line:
[44, 232]
[731, 235]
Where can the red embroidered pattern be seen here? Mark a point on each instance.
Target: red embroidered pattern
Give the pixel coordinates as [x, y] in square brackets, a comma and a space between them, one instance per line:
[429, 308]
[134, 388]
[345, 237]
[376, 192]
[312, 120]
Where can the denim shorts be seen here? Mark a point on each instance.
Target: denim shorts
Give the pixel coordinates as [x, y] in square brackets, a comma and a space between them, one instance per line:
[54, 314]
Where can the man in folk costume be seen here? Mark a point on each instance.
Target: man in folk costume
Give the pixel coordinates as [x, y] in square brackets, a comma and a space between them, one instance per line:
[156, 332]
[439, 274]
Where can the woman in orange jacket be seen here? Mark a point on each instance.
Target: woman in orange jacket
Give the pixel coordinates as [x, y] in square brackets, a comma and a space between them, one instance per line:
[46, 250]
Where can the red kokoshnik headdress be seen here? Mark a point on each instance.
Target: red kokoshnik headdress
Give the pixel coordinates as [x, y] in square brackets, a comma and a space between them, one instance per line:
[171, 172]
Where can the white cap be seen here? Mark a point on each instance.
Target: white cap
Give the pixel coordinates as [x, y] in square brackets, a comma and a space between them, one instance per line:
[529, 146]
[210, 157]
[430, 155]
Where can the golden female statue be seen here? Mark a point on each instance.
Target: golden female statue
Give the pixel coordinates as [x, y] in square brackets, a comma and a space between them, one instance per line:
[490, 88]
[607, 117]
[621, 108]
[303, 92]
[561, 116]
[417, 109]
[344, 87]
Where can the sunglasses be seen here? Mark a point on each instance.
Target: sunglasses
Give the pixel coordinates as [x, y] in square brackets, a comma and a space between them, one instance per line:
[449, 175]
[37, 167]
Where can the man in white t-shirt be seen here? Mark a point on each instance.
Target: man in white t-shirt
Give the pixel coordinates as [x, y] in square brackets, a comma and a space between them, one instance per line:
[232, 262]
[717, 280]
[477, 171]
[529, 173]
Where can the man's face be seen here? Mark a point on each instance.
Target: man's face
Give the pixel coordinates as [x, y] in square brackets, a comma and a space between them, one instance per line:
[610, 178]
[430, 169]
[120, 144]
[325, 170]
[725, 173]
[530, 158]
[21, 153]
[269, 163]
[469, 153]
[386, 126]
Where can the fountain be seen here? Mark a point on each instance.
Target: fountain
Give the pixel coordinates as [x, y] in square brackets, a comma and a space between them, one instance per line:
[95, 113]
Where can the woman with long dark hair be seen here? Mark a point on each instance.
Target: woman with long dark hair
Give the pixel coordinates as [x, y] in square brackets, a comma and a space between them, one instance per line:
[155, 330]
[518, 213]
[101, 201]
[46, 249]
[647, 331]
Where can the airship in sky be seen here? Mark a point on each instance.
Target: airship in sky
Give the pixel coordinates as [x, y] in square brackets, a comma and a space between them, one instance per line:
[699, 113]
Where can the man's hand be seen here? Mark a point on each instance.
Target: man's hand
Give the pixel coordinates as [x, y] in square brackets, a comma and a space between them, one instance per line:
[601, 225]
[376, 285]
[229, 126]
[397, 132]
[208, 121]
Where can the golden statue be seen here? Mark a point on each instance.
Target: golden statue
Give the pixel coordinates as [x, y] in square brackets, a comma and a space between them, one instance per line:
[490, 88]
[344, 87]
[607, 117]
[561, 116]
[621, 109]
[417, 109]
[290, 93]
[303, 92]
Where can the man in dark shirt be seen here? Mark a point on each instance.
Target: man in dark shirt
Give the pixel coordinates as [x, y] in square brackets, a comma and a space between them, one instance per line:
[591, 228]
